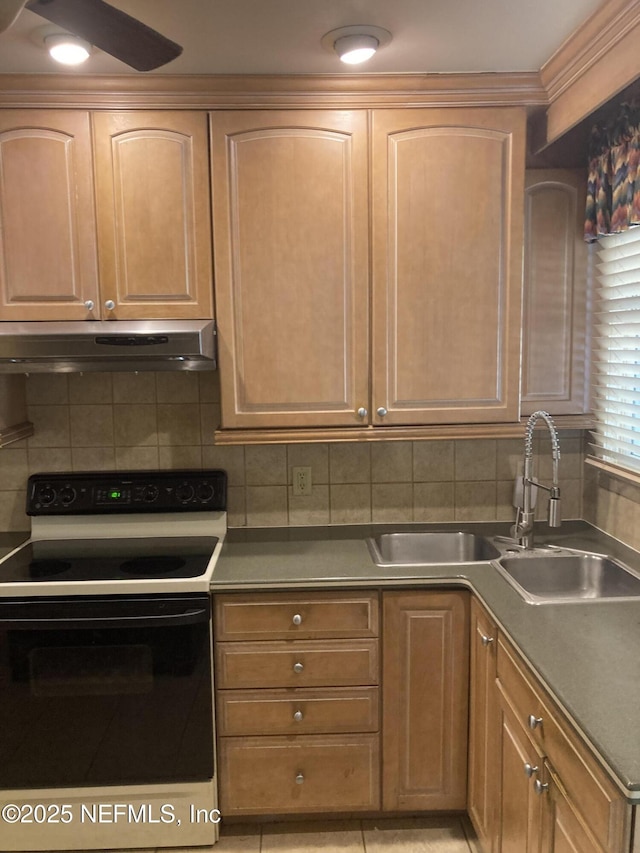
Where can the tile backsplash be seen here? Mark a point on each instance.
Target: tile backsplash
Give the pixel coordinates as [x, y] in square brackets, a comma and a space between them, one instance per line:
[166, 420]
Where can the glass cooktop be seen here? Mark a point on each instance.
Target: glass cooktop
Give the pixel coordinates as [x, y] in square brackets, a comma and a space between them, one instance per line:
[108, 559]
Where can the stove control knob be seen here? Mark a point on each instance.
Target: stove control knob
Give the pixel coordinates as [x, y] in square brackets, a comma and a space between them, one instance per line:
[46, 495]
[150, 494]
[67, 495]
[204, 492]
[184, 493]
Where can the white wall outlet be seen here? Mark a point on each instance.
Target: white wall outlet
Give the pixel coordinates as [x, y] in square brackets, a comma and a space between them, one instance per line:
[302, 481]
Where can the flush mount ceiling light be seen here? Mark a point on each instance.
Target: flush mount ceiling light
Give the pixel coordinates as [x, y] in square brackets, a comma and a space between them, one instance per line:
[63, 47]
[355, 44]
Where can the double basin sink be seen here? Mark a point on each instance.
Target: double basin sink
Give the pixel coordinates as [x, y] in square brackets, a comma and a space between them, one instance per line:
[540, 576]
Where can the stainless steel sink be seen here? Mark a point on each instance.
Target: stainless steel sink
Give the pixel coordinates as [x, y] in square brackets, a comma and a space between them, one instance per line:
[424, 548]
[569, 577]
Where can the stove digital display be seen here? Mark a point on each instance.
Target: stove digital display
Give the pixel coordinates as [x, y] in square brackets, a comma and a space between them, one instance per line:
[113, 495]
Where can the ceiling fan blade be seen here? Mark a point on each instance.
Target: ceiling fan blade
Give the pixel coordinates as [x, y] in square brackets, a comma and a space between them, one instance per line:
[9, 11]
[113, 31]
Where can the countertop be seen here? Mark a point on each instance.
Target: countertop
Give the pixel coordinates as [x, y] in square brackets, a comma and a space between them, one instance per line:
[587, 654]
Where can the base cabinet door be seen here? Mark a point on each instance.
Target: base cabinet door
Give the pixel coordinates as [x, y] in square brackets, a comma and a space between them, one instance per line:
[425, 700]
[563, 828]
[484, 732]
[520, 799]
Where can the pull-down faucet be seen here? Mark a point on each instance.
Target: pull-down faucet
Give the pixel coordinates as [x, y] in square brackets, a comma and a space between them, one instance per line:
[522, 530]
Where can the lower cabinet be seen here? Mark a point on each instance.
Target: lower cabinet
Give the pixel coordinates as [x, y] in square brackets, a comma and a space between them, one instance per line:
[425, 663]
[553, 796]
[297, 703]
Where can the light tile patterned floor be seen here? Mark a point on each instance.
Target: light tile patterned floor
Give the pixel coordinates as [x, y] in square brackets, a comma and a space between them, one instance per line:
[405, 835]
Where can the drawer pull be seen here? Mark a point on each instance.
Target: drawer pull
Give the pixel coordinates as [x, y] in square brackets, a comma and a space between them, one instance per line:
[486, 641]
[534, 721]
[298, 667]
[529, 770]
[297, 619]
[298, 716]
[299, 779]
[540, 787]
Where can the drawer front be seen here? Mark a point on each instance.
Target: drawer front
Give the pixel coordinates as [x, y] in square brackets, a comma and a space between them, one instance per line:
[299, 616]
[293, 712]
[334, 663]
[279, 775]
[520, 693]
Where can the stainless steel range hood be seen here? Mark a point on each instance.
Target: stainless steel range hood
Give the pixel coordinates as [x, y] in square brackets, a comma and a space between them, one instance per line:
[116, 345]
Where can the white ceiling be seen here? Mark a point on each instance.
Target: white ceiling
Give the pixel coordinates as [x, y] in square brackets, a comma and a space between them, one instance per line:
[283, 36]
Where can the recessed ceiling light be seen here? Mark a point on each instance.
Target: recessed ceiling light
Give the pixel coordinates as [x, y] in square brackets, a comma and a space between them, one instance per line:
[355, 44]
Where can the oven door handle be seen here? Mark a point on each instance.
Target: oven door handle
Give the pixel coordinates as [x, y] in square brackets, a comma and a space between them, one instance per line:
[167, 620]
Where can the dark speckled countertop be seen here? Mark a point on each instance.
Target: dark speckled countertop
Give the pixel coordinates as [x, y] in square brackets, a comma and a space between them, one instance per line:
[587, 654]
[9, 541]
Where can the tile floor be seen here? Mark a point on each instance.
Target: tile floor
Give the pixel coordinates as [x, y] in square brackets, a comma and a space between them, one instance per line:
[406, 835]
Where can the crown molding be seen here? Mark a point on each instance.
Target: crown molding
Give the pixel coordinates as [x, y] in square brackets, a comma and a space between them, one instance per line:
[271, 91]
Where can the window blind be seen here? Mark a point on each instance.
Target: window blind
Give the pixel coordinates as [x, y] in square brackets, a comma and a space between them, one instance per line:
[616, 351]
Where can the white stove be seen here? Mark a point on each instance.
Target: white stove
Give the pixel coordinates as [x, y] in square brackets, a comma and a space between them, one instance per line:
[106, 719]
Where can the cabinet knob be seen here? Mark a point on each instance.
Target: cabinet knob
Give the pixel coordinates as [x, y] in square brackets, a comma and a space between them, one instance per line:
[89, 305]
[486, 641]
[109, 304]
[297, 619]
[298, 716]
[534, 721]
[299, 779]
[529, 770]
[381, 411]
[540, 787]
[298, 667]
[362, 412]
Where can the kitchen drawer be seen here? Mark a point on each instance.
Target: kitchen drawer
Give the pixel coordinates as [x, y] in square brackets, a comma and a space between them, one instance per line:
[274, 775]
[307, 663]
[520, 693]
[296, 616]
[305, 711]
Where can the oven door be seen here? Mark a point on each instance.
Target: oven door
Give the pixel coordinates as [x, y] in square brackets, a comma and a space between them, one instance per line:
[102, 691]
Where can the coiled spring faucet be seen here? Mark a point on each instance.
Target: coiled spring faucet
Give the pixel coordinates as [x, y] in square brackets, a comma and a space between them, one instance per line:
[522, 530]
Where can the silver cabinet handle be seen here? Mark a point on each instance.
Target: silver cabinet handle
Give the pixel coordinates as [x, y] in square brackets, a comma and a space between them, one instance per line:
[529, 769]
[298, 667]
[109, 304]
[362, 412]
[89, 305]
[486, 641]
[298, 716]
[540, 787]
[297, 619]
[534, 721]
[381, 411]
[299, 779]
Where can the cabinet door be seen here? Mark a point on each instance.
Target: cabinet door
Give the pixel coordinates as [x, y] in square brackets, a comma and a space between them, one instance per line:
[447, 264]
[291, 228]
[556, 299]
[564, 830]
[154, 222]
[425, 700]
[484, 730]
[48, 267]
[520, 805]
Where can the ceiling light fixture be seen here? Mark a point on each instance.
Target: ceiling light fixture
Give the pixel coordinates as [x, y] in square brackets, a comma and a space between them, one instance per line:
[62, 46]
[355, 44]
[67, 49]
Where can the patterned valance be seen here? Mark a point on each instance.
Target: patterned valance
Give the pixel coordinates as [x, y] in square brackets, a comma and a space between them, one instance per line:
[613, 189]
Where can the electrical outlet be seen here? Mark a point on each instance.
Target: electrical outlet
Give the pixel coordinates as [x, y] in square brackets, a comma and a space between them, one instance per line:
[302, 481]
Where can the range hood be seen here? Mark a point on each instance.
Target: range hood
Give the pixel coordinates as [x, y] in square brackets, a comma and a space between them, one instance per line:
[107, 345]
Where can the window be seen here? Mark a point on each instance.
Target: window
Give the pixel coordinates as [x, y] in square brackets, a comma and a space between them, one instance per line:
[616, 351]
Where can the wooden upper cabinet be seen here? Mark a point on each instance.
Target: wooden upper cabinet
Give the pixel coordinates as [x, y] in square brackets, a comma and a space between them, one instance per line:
[556, 281]
[154, 224]
[47, 223]
[290, 209]
[447, 264]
